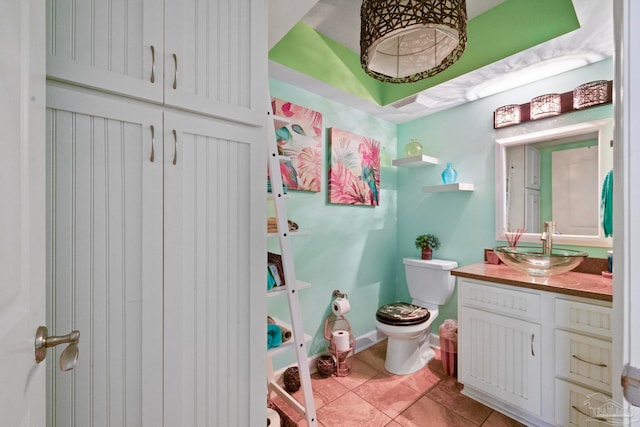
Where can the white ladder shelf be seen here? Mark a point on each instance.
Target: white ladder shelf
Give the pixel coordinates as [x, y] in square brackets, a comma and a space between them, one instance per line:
[292, 285]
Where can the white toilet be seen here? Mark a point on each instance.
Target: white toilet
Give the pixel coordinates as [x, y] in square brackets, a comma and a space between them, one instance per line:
[407, 326]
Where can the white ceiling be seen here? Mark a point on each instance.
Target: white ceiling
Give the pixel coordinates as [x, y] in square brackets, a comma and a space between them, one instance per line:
[340, 20]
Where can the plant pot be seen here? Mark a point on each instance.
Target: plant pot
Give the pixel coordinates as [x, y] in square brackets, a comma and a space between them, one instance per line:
[427, 253]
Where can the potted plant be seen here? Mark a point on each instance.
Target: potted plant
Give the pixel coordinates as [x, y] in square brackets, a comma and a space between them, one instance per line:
[427, 242]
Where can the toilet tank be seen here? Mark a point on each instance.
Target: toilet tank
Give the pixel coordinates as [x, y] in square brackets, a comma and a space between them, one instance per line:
[430, 280]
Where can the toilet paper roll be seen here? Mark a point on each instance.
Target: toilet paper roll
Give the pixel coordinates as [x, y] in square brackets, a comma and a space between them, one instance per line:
[273, 418]
[340, 306]
[341, 340]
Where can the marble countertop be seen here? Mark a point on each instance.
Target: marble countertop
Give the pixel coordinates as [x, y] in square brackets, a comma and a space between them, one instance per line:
[584, 285]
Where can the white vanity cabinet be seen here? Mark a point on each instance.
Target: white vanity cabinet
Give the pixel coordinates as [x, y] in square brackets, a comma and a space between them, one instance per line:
[541, 357]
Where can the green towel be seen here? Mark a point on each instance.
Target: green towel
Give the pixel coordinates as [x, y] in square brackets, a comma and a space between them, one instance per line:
[606, 205]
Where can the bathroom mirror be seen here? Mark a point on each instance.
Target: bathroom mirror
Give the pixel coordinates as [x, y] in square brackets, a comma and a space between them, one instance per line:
[554, 175]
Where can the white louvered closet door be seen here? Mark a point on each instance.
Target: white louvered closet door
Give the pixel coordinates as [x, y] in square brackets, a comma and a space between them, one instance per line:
[215, 344]
[112, 45]
[104, 255]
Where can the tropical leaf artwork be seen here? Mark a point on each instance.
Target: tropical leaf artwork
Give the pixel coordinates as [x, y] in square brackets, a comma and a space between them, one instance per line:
[301, 142]
[354, 174]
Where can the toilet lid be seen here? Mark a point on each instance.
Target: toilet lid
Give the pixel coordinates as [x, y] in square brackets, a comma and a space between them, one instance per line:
[402, 313]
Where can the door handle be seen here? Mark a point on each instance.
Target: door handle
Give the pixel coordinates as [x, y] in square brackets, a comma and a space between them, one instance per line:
[69, 355]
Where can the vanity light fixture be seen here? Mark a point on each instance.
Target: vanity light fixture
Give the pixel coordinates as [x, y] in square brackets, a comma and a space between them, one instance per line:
[590, 94]
[506, 115]
[403, 41]
[545, 106]
[587, 95]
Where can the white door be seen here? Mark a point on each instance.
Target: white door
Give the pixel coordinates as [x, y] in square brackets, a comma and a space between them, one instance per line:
[104, 253]
[626, 195]
[22, 216]
[575, 191]
[215, 246]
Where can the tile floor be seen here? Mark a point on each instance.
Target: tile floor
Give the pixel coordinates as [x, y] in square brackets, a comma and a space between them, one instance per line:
[370, 396]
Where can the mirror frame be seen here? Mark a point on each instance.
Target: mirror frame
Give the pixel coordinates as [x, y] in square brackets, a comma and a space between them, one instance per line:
[603, 127]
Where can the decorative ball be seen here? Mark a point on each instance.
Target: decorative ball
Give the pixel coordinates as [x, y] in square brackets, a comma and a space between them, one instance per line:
[413, 148]
[326, 365]
[291, 378]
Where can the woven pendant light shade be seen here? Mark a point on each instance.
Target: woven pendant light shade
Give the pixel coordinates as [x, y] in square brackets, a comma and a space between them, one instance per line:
[403, 41]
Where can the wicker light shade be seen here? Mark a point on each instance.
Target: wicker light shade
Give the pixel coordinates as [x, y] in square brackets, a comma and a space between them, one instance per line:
[403, 41]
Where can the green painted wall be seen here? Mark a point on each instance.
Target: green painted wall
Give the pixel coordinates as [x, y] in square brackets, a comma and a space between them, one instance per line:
[351, 248]
[359, 250]
[465, 136]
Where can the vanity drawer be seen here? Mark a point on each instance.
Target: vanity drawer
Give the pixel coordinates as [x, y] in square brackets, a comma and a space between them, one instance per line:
[584, 359]
[579, 406]
[500, 300]
[588, 318]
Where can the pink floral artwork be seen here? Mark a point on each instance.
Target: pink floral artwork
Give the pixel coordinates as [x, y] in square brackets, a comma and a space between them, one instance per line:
[354, 175]
[301, 142]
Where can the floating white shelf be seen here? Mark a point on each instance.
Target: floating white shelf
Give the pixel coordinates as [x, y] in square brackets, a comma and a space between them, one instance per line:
[415, 161]
[458, 186]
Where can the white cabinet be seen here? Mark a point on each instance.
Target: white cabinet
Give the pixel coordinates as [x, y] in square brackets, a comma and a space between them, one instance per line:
[155, 241]
[583, 360]
[498, 327]
[203, 56]
[104, 252]
[114, 46]
[540, 357]
[209, 270]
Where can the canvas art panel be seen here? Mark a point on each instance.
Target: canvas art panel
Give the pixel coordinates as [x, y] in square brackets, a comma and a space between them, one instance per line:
[301, 142]
[354, 174]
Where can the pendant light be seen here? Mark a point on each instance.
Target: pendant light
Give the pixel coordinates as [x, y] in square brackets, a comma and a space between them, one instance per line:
[403, 41]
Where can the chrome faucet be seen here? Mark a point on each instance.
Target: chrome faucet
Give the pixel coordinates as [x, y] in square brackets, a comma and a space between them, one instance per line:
[547, 237]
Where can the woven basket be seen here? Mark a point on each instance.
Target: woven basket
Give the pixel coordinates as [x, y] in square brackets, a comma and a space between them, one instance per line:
[291, 379]
[326, 365]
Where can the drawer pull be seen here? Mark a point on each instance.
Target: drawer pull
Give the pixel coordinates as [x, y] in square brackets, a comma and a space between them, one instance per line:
[604, 420]
[602, 365]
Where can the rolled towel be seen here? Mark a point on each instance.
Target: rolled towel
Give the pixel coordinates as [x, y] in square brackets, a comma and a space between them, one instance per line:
[286, 334]
[274, 336]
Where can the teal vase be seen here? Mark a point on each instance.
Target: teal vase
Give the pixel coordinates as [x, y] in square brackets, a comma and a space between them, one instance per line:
[449, 174]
